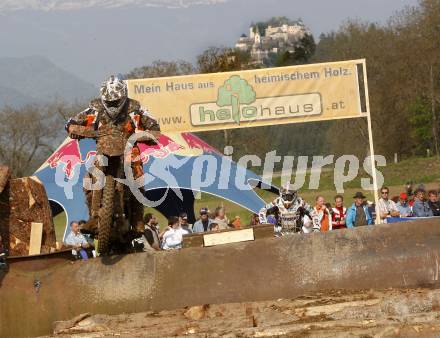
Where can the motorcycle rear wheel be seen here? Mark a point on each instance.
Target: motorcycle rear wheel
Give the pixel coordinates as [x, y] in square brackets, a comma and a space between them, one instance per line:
[106, 215]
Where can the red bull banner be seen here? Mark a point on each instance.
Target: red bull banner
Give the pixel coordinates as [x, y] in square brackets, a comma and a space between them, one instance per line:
[253, 98]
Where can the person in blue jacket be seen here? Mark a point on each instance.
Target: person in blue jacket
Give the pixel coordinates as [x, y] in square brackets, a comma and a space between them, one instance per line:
[358, 214]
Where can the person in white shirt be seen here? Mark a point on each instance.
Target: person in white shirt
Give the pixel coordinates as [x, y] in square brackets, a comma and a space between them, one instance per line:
[387, 207]
[173, 237]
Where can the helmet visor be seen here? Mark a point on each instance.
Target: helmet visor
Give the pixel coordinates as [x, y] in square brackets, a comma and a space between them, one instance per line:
[288, 196]
[114, 103]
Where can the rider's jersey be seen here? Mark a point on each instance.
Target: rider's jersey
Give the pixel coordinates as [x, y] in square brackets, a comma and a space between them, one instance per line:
[131, 119]
[287, 217]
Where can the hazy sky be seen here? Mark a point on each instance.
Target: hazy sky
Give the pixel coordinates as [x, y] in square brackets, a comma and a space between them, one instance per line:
[93, 43]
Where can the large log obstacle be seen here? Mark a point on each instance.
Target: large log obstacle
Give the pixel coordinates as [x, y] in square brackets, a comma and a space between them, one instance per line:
[23, 201]
[37, 292]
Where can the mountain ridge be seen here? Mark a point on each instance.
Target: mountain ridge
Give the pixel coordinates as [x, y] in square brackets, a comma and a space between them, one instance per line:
[35, 79]
[66, 5]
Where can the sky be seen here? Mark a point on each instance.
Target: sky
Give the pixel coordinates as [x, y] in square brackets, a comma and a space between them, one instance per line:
[94, 42]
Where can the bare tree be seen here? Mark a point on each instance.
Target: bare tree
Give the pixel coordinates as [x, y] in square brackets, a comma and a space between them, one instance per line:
[27, 136]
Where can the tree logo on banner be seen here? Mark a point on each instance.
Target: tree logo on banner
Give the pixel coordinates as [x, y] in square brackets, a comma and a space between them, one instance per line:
[235, 92]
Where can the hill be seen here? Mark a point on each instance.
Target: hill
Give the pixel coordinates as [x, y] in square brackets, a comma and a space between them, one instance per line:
[36, 79]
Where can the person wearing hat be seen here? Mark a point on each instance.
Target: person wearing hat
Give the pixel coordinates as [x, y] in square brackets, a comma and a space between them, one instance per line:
[403, 205]
[358, 214]
[202, 225]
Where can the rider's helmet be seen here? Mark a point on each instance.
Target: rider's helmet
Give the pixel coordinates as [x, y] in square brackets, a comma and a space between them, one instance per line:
[288, 196]
[113, 95]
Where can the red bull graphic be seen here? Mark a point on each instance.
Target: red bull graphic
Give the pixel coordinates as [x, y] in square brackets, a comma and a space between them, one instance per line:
[165, 147]
[194, 142]
[69, 154]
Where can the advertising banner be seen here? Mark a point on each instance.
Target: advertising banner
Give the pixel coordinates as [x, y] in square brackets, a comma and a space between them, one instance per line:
[254, 98]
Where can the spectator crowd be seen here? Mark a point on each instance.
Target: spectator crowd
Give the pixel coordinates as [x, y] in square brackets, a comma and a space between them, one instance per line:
[149, 237]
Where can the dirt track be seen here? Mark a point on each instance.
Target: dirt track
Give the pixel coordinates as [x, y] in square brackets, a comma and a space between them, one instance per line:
[386, 313]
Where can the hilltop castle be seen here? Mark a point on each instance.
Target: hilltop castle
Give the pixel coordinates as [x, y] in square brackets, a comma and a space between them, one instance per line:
[273, 40]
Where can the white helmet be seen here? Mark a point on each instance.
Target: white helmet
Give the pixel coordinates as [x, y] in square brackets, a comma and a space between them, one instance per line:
[113, 95]
[288, 196]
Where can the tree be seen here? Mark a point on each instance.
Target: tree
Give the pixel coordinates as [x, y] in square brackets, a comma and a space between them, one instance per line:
[27, 137]
[221, 59]
[161, 68]
[235, 91]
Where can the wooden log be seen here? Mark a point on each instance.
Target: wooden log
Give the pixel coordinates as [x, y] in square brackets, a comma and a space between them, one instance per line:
[5, 175]
[28, 203]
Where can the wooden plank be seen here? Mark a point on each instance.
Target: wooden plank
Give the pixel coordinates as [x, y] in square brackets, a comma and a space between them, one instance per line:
[36, 237]
[196, 240]
[236, 236]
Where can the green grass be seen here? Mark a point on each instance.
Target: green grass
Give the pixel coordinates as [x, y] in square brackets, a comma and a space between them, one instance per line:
[417, 170]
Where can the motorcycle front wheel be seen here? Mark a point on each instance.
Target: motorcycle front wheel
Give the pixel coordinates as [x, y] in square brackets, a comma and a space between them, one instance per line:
[106, 215]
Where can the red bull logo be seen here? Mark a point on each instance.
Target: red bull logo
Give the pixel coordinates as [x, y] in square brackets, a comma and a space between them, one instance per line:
[194, 142]
[165, 147]
[69, 155]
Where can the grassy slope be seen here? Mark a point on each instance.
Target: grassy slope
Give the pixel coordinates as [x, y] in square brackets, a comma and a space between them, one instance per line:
[417, 170]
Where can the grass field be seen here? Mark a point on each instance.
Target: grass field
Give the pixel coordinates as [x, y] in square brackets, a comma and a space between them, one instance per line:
[417, 170]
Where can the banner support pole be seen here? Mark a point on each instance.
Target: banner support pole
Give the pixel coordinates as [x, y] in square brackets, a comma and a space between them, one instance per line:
[373, 167]
[370, 141]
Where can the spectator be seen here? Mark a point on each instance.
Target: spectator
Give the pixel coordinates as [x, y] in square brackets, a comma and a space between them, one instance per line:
[321, 215]
[183, 219]
[433, 202]
[255, 220]
[87, 236]
[236, 223]
[173, 238]
[339, 213]
[387, 208]
[403, 205]
[421, 208]
[221, 219]
[140, 243]
[78, 242]
[202, 225]
[358, 214]
[151, 231]
[214, 227]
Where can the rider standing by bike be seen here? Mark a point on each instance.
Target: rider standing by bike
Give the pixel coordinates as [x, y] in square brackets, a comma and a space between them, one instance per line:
[293, 213]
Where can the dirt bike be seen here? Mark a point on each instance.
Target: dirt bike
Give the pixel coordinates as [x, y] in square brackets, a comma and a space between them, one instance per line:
[113, 210]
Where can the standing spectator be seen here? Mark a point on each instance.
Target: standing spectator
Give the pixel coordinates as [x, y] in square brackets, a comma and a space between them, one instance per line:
[339, 213]
[151, 231]
[202, 225]
[221, 219]
[255, 220]
[433, 202]
[358, 214]
[421, 208]
[173, 238]
[183, 219]
[236, 223]
[77, 241]
[387, 208]
[321, 215]
[403, 205]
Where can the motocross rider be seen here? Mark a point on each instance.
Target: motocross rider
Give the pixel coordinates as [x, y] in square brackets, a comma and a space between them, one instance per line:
[115, 108]
[293, 213]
